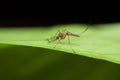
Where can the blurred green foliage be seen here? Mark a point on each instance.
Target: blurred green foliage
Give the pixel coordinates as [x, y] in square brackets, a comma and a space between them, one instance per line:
[29, 63]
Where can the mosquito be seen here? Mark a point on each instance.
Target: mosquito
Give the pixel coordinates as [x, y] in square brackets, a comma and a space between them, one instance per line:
[62, 34]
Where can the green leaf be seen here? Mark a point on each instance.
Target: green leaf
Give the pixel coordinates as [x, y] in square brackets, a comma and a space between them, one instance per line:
[34, 63]
[100, 42]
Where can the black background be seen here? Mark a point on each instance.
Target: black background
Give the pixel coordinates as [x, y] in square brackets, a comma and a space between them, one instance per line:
[17, 16]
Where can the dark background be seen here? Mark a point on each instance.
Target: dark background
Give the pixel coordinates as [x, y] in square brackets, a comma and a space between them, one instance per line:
[12, 16]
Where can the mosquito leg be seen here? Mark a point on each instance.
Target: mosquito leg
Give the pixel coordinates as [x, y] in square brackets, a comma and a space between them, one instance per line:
[54, 38]
[70, 44]
[57, 43]
[57, 33]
